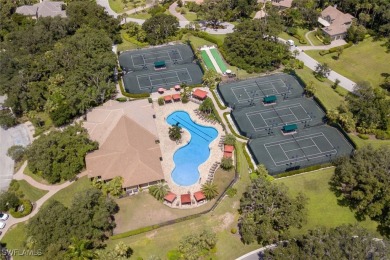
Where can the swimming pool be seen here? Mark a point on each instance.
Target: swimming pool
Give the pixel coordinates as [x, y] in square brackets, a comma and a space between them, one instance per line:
[188, 158]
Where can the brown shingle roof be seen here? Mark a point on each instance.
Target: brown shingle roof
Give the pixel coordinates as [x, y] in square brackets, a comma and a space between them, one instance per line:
[43, 9]
[282, 3]
[337, 19]
[129, 151]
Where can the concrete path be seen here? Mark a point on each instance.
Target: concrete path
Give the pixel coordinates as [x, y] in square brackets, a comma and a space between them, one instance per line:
[307, 38]
[106, 5]
[172, 10]
[256, 254]
[52, 189]
[335, 43]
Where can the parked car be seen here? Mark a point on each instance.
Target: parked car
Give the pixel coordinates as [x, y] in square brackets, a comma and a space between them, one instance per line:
[4, 216]
[2, 224]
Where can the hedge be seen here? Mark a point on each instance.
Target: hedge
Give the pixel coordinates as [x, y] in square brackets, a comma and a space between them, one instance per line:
[248, 157]
[206, 36]
[307, 169]
[130, 95]
[222, 107]
[231, 128]
[334, 49]
[27, 210]
[121, 99]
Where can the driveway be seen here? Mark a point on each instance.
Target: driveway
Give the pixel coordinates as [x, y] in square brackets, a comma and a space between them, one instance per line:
[256, 254]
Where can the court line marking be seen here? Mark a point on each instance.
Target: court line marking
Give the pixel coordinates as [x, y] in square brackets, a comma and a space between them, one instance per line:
[149, 56]
[162, 73]
[283, 151]
[304, 157]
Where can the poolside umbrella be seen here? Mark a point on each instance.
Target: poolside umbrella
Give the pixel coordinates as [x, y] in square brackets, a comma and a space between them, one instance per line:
[228, 71]
[161, 90]
[177, 87]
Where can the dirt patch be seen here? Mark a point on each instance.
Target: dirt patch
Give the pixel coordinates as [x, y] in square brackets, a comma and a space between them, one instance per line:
[225, 221]
[152, 234]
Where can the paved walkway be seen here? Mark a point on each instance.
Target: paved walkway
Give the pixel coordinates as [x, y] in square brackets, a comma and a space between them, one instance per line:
[256, 254]
[52, 189]
[308, 39]
[335, 43]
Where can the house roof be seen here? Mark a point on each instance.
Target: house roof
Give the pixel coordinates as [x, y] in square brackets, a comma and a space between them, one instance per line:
[282, 3]
[338, 20]
[129, 151]
[199, 195]
[43, 9]
[228, 148]
[185, 199]
[170, 197]
[201, 94]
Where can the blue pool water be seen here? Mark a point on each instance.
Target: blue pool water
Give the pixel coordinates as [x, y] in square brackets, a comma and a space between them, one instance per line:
[188, 158]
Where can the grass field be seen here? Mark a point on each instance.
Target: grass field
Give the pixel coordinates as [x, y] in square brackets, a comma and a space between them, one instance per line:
[221, 220]
[119, 7]
[301, 32]
[330, 98]
[363, 62]
[323, 208]
[15, 239]
[140, 15]
[35, 177]
[314, 40]
[150, 211]
[374, 142]
[190, 16]
[30, 192]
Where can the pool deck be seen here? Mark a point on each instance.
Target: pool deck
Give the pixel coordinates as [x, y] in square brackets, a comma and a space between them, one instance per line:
[169, 147]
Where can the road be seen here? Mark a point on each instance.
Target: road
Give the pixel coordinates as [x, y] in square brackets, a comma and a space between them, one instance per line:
[256, 254]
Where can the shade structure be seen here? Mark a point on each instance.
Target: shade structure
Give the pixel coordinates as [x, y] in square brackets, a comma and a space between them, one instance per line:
[170, 197]
[167, 98]
[227, 155]
[161, 90]
[199, 196]
[290, 128]
[185, 199]
[269, 99]
[228, 71]
[229, 148]
[159, 64]
[177, 87]
[199, 94]
[176, 97]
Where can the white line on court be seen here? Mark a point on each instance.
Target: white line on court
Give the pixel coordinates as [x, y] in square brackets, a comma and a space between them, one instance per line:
[184, 70]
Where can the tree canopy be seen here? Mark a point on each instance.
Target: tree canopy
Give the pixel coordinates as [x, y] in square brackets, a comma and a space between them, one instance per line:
[363, 180]
[89, 218]
[160, 27]
[253, 45]
[60, 155]
[61, 66]
[195, 246]
[344, 242]
[268, 212]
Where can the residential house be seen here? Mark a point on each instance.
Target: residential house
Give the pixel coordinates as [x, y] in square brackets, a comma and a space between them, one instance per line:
[335, 23]
[43, 9]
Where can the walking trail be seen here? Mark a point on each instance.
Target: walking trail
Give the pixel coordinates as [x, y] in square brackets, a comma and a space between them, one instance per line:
[52, 189]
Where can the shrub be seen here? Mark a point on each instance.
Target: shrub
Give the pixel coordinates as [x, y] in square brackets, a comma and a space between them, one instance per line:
[160, 101]
[248, 158]
[382, 135]
[121, 99]
[130, 95]
[226, 163]
[27, 208]
[185, 99]
[134, 232]
[7, 119]
[174, 255]
[364, 136]
[150, 100]
[233, 230]
[231, 192]
[16, 152]
[230, 139]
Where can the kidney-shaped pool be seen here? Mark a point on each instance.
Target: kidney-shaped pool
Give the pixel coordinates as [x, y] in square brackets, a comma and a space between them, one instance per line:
[188, 158]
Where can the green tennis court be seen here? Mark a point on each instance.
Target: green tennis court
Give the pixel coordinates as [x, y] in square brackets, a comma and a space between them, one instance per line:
[218, 59]
[207, 60]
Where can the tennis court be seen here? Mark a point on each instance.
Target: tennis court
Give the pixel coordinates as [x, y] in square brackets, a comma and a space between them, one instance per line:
[145, 58]
[249, 92]
[308, 147]
[259, 120]
[141, 73]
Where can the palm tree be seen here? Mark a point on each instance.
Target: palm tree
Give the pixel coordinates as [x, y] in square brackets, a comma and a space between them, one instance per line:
[159, 191]
[114, 187]
[210, 190]
[80, 249]
[123, 250]
[175, 132]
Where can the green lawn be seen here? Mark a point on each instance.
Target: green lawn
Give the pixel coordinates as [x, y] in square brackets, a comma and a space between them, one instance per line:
[323, 208]
[301, 32]
[45, 124]
[221, 220]
[30, 192]
[66, 196]
[140, 15]
[35, 176]
[207, 60]
[330, 98]
[312, 37]
[374, 142]
[119, 7]
[363, 62]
